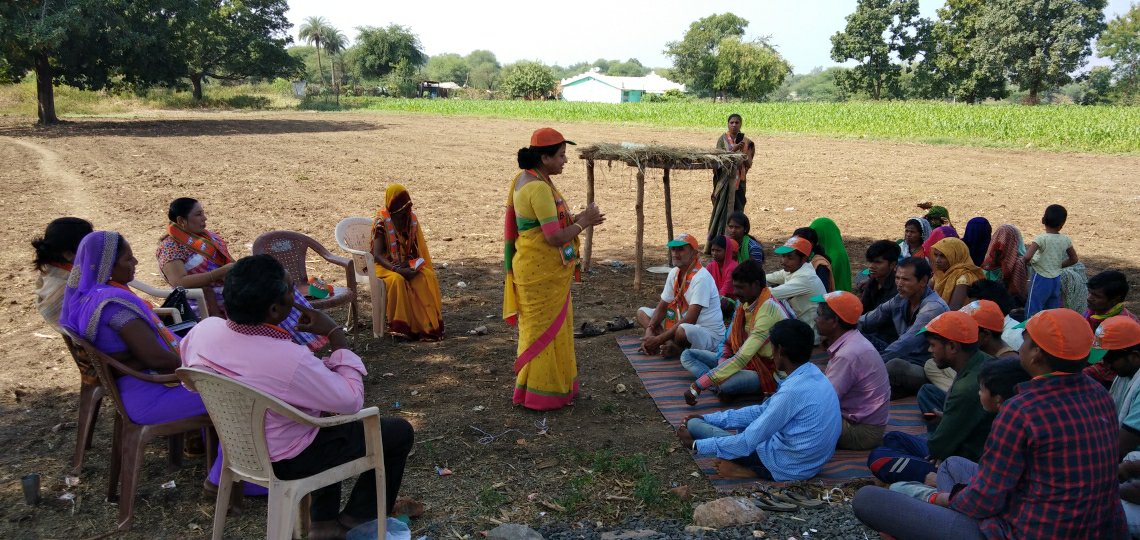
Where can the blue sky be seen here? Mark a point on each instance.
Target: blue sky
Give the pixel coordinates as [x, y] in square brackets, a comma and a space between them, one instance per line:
[568, 32]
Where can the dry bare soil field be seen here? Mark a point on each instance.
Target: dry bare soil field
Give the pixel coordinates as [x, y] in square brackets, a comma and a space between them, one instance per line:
[610, 456]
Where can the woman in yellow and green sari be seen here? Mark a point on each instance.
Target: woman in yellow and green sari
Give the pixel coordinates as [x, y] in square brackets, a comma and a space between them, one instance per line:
[414, 307]
[541, 260]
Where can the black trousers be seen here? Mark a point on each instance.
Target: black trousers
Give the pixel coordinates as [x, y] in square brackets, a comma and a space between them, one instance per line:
[340, 444]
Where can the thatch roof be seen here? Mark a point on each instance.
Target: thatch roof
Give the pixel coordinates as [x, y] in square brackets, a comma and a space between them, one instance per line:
[660, 157]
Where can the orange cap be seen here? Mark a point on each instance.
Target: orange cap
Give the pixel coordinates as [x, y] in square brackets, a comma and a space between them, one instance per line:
[1061, 332]
[547, 137]
[1114, 334]
[954, 326]
[684, 239]
[986, 313]
[846, 305]
[795, 243]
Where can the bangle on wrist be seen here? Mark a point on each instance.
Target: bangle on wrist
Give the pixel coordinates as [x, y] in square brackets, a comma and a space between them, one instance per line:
[329, 335]
[580, 227]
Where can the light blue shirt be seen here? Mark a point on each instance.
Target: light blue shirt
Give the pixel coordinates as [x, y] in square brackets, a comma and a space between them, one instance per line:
[794, 431]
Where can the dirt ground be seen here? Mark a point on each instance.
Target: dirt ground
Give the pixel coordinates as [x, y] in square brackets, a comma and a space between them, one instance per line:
[611, 455]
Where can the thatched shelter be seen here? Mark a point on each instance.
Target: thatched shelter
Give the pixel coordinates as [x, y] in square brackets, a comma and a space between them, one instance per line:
[643, 157]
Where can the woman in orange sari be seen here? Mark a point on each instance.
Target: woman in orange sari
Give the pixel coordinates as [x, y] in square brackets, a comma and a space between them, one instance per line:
[541, 260]
[415, 308]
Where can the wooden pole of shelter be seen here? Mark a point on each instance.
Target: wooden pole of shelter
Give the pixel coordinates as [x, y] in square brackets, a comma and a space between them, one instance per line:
[589, 248]
[731, 202]
[637, 264]
[668, 211]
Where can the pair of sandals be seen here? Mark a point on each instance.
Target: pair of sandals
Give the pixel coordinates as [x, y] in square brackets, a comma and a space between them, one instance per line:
[786, 500]
[617, 324]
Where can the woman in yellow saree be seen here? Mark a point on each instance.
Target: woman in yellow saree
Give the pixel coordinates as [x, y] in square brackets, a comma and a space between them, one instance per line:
[414, 307]
[540, 260]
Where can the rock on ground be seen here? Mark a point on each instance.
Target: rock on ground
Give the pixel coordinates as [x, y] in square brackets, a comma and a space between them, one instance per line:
[512, 531]
[728, 512]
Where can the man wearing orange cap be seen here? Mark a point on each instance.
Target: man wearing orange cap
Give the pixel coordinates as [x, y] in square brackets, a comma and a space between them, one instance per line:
[688, 314]
[1107, 292]
[796, 282]
[856, 371]
[953, 339]
[1117, 345]
[1049, 468]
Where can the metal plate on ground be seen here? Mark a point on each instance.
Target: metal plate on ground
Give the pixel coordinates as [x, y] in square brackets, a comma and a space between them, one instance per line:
[659, 269]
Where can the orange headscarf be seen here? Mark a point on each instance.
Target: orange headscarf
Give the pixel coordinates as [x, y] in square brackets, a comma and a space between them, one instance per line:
[961, 265]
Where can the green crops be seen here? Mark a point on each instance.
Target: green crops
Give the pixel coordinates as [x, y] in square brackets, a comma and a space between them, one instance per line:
[1054, 127]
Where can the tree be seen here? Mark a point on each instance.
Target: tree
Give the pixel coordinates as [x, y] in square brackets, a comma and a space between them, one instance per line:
[447, 67]
[528, 80]
[950, 67]
[315, 31]
[335, 44]
[482, 69]
[877, 33]
[630, 68]
[381, 49]
[694, 57]
[67, 42]
[235, 39]
[748, 70]
[1121, 42]
[1037, 44]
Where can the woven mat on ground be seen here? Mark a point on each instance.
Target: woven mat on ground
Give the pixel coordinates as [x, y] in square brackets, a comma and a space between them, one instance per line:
[666, 381]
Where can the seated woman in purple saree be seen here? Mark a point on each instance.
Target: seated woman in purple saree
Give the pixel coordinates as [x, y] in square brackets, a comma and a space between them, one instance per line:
[98, 307]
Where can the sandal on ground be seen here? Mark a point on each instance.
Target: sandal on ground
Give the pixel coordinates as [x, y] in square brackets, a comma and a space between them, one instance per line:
[797, 497]
[765, 502]
[588, 329]
[619, 323]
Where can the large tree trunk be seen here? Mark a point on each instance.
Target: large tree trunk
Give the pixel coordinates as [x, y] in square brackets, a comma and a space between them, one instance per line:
[1032, 99]
[45, 92]
[196, 81]
[320, 70]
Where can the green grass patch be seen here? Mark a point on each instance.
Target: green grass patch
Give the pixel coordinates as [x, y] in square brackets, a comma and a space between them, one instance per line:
[1106, 129]
[596, 475]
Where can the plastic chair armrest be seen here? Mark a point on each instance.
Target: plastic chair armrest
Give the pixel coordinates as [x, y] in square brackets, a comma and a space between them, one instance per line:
[148, 377]
[347, 418]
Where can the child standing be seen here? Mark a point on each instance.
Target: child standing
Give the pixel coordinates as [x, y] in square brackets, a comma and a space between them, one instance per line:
[1047, 255]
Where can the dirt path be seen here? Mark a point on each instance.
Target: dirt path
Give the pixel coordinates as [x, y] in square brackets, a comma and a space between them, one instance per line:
[306, 171]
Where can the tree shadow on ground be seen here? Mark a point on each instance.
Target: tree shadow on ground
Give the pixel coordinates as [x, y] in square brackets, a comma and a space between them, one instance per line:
[189, 127]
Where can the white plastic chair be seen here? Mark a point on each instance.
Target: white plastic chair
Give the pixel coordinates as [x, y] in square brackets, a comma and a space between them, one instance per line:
[158, 292]
[238, 413]
[354, 235]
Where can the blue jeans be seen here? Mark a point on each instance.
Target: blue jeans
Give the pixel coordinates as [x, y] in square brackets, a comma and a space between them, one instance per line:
[931, 398]
[1044, 293]
[700, 362]
[700, 429]
[902, 516]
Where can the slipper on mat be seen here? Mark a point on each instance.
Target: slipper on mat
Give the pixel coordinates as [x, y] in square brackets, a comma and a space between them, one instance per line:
[619, 323]
[765, 502]
[588, 329]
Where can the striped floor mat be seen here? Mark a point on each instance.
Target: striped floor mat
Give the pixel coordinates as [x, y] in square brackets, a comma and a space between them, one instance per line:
[666, 381]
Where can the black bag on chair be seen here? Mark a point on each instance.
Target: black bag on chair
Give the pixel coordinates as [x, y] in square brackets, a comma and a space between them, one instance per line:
[178, 300]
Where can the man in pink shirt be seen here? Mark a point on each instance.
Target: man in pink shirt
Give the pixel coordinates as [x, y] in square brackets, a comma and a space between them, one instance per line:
[252, 349]
[855, 369]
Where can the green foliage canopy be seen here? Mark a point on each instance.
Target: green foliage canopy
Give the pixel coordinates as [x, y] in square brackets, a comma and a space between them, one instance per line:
[694, 57]
[447, 67]
[1120, 41]
[749, 70]
[877, 33]
[529, 80]
[382, 49]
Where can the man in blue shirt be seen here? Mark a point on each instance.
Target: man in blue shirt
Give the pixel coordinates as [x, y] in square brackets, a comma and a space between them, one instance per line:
[789, 436]
[904, 315]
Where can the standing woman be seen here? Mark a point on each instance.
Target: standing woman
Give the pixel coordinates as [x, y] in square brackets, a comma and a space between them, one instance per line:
[402, 260]
[730, 181]
[540, 261]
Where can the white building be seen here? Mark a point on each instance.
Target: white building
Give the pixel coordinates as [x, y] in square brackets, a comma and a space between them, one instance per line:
[595, 87]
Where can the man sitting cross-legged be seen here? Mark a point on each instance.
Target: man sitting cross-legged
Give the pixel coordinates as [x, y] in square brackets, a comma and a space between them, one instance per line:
[789, 436]
[688, 314]
[1050, 464]
[746, 365]
[965, 424]
[856, 371]
[251, 348]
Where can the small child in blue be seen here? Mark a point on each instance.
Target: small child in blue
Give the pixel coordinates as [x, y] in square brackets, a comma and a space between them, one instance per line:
[1047, 255]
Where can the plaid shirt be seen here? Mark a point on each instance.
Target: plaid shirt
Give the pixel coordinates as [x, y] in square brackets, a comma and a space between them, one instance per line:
[1049, 467]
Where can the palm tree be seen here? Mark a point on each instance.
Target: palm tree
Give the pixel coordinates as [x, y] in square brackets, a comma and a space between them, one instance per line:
[335, 43]
[315, 30]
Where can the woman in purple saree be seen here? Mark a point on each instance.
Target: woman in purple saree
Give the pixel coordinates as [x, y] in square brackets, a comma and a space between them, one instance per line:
[100, 308]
